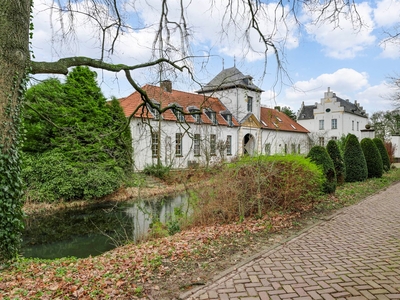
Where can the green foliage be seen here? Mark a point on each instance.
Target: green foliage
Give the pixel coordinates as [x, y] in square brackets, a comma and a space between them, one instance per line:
[320, 157]
[354, 160]
[157, 170]
[384, 154]
[76, 145]
[341, 143]
[290, 113]
[11, 202]
[338, 160]
[11, 215]
[257, 185]
[51, 176]
[372, 157]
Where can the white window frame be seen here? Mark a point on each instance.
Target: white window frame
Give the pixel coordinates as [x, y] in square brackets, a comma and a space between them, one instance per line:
[249, 104]
[180, 117]
[321, 124]
[178, 144]
[334, 124]
[213, 144]
[155, 143]
[196, 144]
[228, 145]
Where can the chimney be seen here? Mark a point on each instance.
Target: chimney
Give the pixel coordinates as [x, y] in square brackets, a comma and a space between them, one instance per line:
[166, 85]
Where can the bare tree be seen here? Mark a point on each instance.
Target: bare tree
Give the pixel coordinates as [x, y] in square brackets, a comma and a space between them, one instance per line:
[171, 53]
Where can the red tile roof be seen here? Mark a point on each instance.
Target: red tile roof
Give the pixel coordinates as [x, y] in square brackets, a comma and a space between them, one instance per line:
[183, 99]
[276, 120]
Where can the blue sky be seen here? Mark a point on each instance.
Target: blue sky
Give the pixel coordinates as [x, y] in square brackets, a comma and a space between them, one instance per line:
[353, 62]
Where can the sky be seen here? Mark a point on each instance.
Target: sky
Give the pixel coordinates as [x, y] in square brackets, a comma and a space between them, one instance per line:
[353, 61]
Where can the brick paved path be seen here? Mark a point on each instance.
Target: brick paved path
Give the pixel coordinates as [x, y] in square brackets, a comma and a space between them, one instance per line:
[355, 255]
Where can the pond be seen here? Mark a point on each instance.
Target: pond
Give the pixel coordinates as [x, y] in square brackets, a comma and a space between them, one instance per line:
[92, 230]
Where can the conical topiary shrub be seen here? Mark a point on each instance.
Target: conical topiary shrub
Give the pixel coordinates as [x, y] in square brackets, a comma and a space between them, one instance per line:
[320, 156]
[372, 157]
[384, 154]
[338, 161]
[354, 160]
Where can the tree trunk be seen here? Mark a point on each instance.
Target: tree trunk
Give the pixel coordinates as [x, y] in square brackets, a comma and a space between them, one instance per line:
[14, 60]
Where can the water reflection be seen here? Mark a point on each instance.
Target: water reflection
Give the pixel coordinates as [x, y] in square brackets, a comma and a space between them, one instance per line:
[96, 229]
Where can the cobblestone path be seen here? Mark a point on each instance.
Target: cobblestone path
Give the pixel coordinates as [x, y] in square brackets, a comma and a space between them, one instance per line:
[354, 255]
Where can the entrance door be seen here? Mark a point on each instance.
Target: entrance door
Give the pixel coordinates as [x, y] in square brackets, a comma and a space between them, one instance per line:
[248, 144]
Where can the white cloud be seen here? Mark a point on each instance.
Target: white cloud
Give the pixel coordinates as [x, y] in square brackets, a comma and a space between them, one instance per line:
[344, 39]
[376, 98]
[390, 49]
[386, 13]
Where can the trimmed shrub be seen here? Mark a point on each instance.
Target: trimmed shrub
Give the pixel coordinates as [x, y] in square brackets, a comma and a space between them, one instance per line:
[354, 160]
[384, 154]
[372, 157]
[257, 185]
[338, 161]
[320, 157]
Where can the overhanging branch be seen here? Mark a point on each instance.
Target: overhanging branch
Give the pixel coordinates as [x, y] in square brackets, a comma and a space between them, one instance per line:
[61, 66]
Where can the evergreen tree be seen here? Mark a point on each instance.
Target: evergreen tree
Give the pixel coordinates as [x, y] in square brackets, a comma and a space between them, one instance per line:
[320, 156]
[338, 161]
[354, 160]
[77, 144]
[384, 154]
[372, 157]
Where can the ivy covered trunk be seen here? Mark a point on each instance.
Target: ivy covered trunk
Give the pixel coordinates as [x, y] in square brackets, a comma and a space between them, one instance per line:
[14, 59]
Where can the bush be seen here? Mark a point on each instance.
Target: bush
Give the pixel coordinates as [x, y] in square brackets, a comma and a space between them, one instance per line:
[384, 154]
[354, 160]
[372, 157]
[320, 157]
[51, 176]
[338, 161]
[257, 185]
[156, 170]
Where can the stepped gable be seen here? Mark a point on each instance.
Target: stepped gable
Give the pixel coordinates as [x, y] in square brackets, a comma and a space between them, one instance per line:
[276, 120]
[165, 98]
[227, 79]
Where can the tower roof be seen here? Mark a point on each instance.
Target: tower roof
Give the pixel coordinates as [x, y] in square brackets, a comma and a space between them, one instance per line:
[229, 78]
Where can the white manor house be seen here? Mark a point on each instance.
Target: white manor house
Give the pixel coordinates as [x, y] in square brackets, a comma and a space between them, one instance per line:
[229, 121]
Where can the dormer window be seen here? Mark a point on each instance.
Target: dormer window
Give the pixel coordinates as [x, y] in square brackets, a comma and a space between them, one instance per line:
[228, 118]
[196, 114]
[212, 116]
[179, 115]
[279, 119]
[154, 111]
